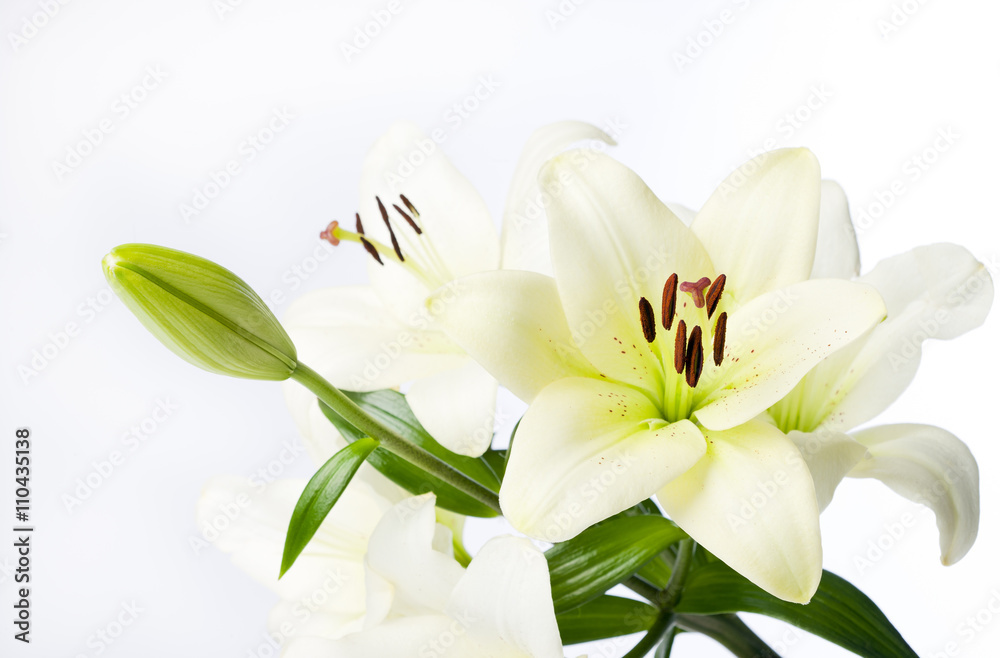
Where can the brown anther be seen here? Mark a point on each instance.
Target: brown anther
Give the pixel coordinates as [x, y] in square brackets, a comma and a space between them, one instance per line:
[357, 224]
[330, 233]
[669, 306]
[372, 251]
[695, 359]
[409, 206]
[714, 294]
[697, 290]
[680, 345]
[392, 234]
[647, 320]
[409, 220]
[719, 342]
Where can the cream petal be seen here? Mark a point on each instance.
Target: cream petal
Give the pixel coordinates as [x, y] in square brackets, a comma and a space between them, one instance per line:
[614, 242]
[937, 291]
[829, 456]
[683, 213]
[587, 449]
[751, 502]
[505, 595]
[837, 255]
[932, 467]
[525, 235]
[398, 638]
[513, 324]
[773, 341]
[347, 335]
[457, 407]
[760, 224]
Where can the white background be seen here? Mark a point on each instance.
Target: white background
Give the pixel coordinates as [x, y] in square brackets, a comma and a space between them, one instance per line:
[879, 98]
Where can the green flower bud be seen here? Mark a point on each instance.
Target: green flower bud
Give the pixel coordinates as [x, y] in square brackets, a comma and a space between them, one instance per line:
[201, 311]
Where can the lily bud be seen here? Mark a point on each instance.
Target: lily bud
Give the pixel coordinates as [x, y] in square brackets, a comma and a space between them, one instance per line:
[203, 312]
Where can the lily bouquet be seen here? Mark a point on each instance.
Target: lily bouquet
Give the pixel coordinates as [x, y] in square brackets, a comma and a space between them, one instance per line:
[694, 382]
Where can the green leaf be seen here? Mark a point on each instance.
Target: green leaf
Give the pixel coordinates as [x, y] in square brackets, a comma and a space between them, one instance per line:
[839, 612]
[412, 478]
[320, 495]
[604, 555]
[604, 617]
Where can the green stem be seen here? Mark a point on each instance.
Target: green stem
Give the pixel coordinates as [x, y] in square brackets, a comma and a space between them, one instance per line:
[665, 600]
[356, 416]
[667, 646]
[672, 594]
[664, 624]
[730, 632]
[642, 588]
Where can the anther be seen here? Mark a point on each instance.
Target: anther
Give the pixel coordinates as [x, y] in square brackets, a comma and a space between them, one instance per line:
[357, 224]
[409, 220]
[680, 344]
[669, 306]
[714, 294]
[695, 358]
[719, 344]
[697, 290]
[369, 247]
[409, 206]
[392, 234]
[330, 234]
[647, 320]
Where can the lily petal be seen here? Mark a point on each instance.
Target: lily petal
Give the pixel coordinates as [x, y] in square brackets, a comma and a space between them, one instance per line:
[937, 291]
[830, 456]
[751, 502]
[457, 407]
[760, 224]
[614, 242]
[396, 638]
[517, 610]
[837, 255]
[774, 340]
[587, 449]
[525, 234]
[347, 335]
[526, 344]
[932, 467]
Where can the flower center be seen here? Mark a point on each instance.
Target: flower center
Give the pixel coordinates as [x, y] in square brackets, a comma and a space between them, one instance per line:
[420, 259]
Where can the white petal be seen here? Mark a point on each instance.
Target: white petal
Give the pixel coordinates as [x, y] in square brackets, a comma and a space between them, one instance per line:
[525, 235]
[513, 324]
[505, 594]
[751, 502]
[456, 223]
[457, 407]
[347, 335]
[938, 291]
[587, 449]
[614, 242]
[932, 467]
[401, 551]
[837, 255]
[683, 213]
[760, 224]
[773, 341]
[398, 638]
[829, 455]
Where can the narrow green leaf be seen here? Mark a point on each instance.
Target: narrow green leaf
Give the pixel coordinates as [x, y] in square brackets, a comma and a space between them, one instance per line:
[320, 495]
[604, 617]
[604, 555]
[839, 612]
[412, 478]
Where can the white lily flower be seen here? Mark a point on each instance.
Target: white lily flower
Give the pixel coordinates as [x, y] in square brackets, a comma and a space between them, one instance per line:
[627, 401]
[424, 225]
[421, 602]
[938, 291]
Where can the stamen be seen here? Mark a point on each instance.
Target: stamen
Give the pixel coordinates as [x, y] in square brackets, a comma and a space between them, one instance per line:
[357, 224]
[697, 290]
[714, 294]
[695, 358]
[669, 306]
[370, 248]
[409, 206]
[392, 234]
[409, 220]
[719, 346]
[330, 234]
[647, 320]
[680, 343]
